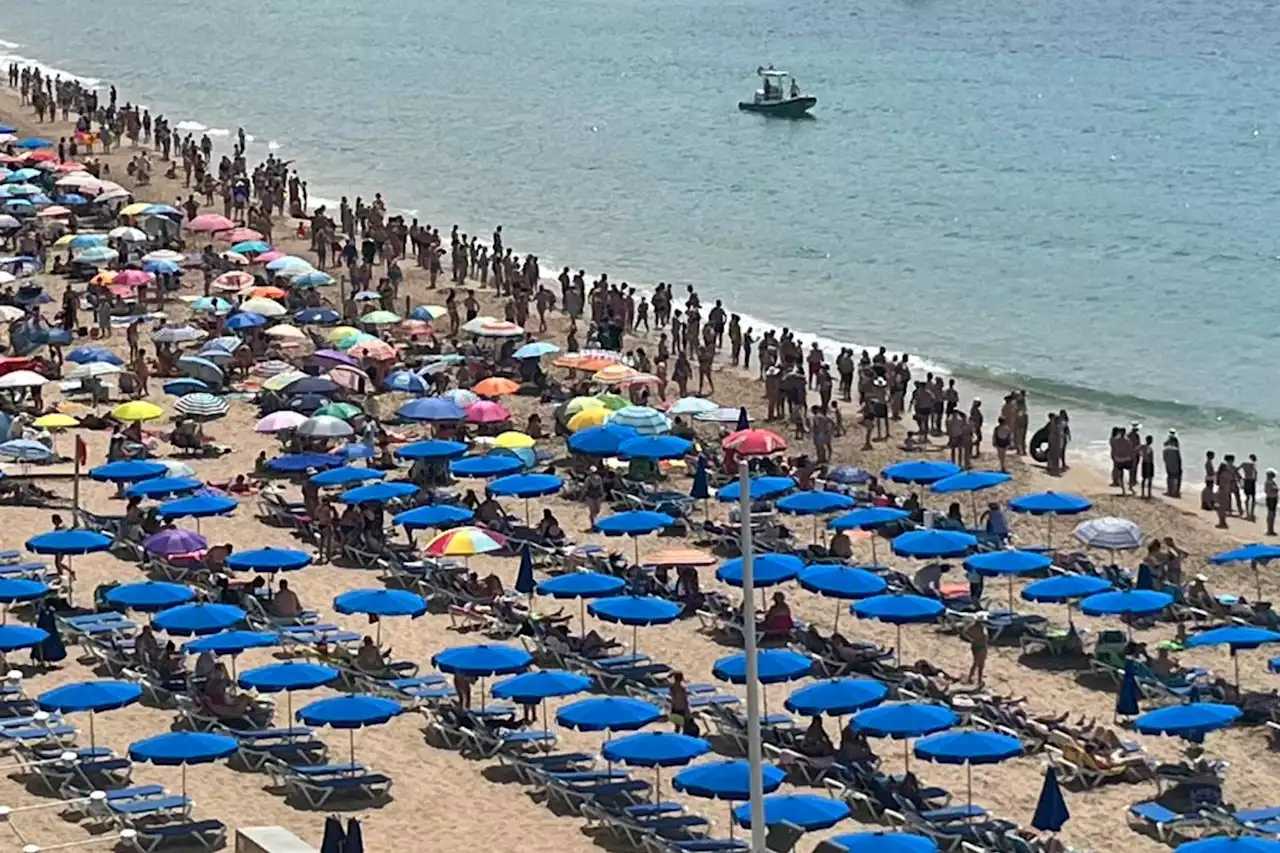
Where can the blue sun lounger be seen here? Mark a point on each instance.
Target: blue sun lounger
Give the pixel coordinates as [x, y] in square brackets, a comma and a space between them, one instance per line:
[209, 834]
[317, 791]
[532, 769]
[292, 746]
[127, 812]
[1162, 822]
[574, 795]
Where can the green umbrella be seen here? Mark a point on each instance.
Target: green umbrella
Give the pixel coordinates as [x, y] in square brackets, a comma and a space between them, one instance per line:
[613, 402]
[345, 411]
[380, 318]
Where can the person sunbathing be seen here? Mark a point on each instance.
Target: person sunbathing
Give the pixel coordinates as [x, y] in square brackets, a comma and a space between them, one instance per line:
[286, 603]
[815, 743]
[220, 700]
[369, 658]
[854, 747]
[489, 589]
[147, 648]
[777, 620]
[851, 652]
[1165, 665]
[841, 546]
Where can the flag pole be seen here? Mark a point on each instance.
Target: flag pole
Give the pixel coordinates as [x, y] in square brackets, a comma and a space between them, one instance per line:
[753, 676]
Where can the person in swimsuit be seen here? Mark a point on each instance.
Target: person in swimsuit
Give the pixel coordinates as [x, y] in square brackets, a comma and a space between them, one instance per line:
[975, 634]
[1147, 463]
[1271, 495]
[1002, 438]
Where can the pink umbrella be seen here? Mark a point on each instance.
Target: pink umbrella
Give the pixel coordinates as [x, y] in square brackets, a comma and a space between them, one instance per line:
[375, 349]
[233, 280]
[241, 235]
[133, 278]
[351, 378]
[268, 257]
[276, 421]
[487, 412]
[210, 222]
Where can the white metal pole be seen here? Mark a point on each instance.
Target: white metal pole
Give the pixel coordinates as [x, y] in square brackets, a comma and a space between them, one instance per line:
[754, 757]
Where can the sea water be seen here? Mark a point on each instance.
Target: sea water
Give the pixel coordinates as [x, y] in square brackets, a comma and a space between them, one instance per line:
[1075, 198]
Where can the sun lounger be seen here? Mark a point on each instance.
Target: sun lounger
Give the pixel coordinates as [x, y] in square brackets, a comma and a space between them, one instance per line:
[128, 812]
[1164, 823]
[1078, 766]
[209, 834]
[281, 771]
[317, 792]
[64, 778]
[291, 746]
[698, 845]
[533, 768]
[37, 734]
[574, 795]
[484, 742]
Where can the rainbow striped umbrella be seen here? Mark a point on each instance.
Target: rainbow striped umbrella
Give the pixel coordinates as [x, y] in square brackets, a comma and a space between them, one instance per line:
[465, 542]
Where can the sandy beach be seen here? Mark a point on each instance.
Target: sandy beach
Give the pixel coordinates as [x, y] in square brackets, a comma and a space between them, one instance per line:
[445, 802]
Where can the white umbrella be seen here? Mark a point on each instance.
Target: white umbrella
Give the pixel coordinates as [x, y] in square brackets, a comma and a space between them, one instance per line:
[325, 426]
[113, 195]
[263, 307]
[22, 379]
[286, 331]
[177, 335]
[177, 468]
[94, 369]
[165, 255]
[201, 405]
[9, 223]
[128, 234]
[281, 420]
[1109, 533]
[234, 258]
[692, 406]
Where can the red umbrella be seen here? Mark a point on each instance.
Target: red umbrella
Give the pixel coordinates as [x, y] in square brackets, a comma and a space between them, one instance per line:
[487, 412]
[754, 442]
[210, 222]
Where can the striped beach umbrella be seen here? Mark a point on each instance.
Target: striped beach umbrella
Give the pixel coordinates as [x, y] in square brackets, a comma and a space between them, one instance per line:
[465, 542]
[201, 405]
[644, 420]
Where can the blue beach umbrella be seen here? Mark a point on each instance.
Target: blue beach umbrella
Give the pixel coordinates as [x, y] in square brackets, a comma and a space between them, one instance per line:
[968, 748]
[1127, 698]
[1051, 809]
[841, 582]
[315, 278]
[836, 697]
[182, 387]
[231, 643]
[815, 504]
[299, 462]
[162, 268]
[317, 317]
[1126, 604]
[766, 570]
[1050, 504]
[269, 560]
[531, 688]
[601, 441]
[1009, 563]
[885, 842]
[1235, 637]
[25, 450]
[406, 382]
[759, 489]
[898, 610]
[244, 320]
[198, 507]
[1231, 844]
[525, 486]
[933, 544]
[581, 585]
[903, 721]
[432, 449]
[251, 247]
[69, 543]
[198, 619]
[869, 519]
[635, 611]
[1065, 588]
[284, 677]
[971, 482]
[485, 466]
[634, 523]
[537, 349]
[433, 515]
[922, 471]
[378, 493]
[89, 355]
[608, 714]
[809, 812]
[431, 409]
[655, 447]
[482, 661]
[381, 603]
[181, 749]
[656, 750]
[1190, 722]
[1255, 554]
[163, 487]
[356, 450]
[350, 713]
[346, 476]
[150, 596]
[726, 780]
[17, 590]
[91, 696]
[15, 637]
[773, 666]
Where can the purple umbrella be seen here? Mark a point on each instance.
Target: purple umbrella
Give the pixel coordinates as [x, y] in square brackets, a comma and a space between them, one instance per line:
[336, 356]
[169, 542]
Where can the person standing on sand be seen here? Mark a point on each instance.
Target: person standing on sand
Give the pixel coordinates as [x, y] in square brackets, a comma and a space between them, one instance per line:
[1249, 481]
[1172, 456]
[1002, 439]
[1147, 464]
[1057, 445]
[1271, 496]
[1020, 423]
[1226, 486]
[1119, 446]
[822, 438]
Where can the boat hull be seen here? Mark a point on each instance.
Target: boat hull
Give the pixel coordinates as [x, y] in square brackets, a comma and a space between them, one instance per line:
[790, 108]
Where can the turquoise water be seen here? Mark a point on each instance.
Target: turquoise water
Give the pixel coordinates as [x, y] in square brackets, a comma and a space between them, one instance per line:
[1080, 198]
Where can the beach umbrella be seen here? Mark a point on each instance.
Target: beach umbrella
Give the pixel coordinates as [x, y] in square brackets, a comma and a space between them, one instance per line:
[311, 385]
[315, 278]
[773, 666]
[325, 426]
[482, 661]
[15, 637]
[406, 382]
[204, 366]
[350, 713]
[307, 404]
[269, 560]
[933, 544]
[1126, 604]
[89, 355]
[656, 750]
[245, 320]
[691, 406]
[1009, 563]
[149, 596]
[868, 519]
[1254, 554]
[22, 379]
[1231, 844]
[250, 247]
[93, 370]
[922, 471]
[1111, 534]
[531, 688]
[198, 619]
[601, 441]
[197, 507]
[1065, 588]
[69, 543]
[581, 585]
[182, 387]
[286, 678]
[809, 812]
[655, 447]
[203, 406]
[345, 476]
[173, 542]
[25, 450]
[1127, 697]
[595, 416]
[230, 643]
[378, 493]
[608, 714]
[428, 313]
[433, 449]
[136, 411]
[643, 419]
[971, 482]
[492, 465]
[1051, 809]
[898, 610]
[814, 503]
[841, 582]
[1050, 504]
[749, 442]
[316, 317]
[1235, 637]
[90, 696]
[381, 603]
[700, 488]
[163, 487]
[433, 515]
[884, 842]
[759, 489]
[635, 610]
[968, 748]
[18, 590]
[281, 420]
[431, 409]
[726, 780]
[633, 523]
[525, 486]
[465, 542]
[495, 386]
[537, 349]
[1190, 722]
[177, 335]
[181, 749]
[836, 697]
[487, 412]
[300, 462]
[767, 570]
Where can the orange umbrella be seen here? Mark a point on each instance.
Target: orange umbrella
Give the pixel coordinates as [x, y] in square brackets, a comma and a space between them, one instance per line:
[614, 373]
[495, 386]
[104, 277]
[267, 293]
[574, 362]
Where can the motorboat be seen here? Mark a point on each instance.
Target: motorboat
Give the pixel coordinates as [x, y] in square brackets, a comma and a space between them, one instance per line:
[779, 95]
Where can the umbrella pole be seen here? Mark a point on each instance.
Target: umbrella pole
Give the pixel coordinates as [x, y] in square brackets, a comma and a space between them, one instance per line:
[635, 540]
[815, 530]
[184, 782]
[582, 618]
[898, 650]
[482, 693]
[288, 708]
[1050, 542]
[634, 629]
[93, 740]
[657, 788]
[973, 502]
[351, 738]
[874, 560]
[968, 772]
[1235, 659]
[1257, 580]
[1010, 593]
[906, 754]
[836, 627]
[526, 512]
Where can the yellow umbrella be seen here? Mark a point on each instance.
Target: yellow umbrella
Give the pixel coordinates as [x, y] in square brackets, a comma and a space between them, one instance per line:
[138, 410]
[63, 240]
[581, 404]
[588, 418]
[512, 440]
[135, 208]
[282, 380]
[339, 332]
[55, 420]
